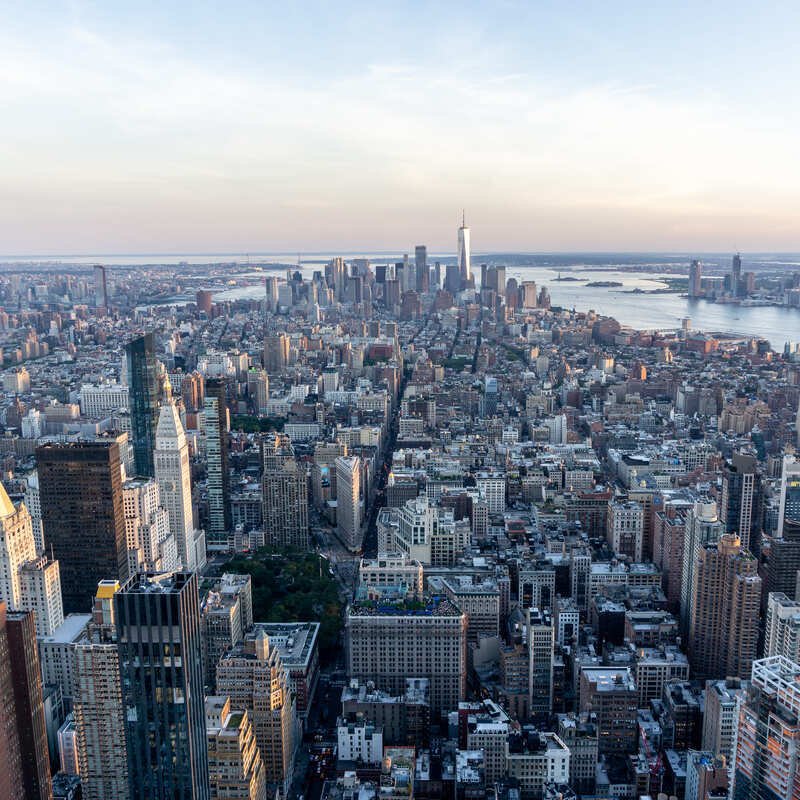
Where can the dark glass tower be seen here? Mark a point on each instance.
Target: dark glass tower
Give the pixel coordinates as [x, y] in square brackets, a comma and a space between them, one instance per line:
[143, 400]
[83, 518]
[217, 475]
[160, 651]
[742, 498]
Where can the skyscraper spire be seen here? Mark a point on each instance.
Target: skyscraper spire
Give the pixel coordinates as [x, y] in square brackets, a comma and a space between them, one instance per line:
[463, 251]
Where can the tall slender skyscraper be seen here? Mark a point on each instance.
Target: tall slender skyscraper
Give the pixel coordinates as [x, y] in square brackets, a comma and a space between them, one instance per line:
[216, 425]
[695, 278]
[736, 275]
[161, 667]
[702, 526]
[464, 252]
[421, 264]
[83, 517]
[740, 508]
[790, 493]
[100, 286]
[174, 478]
[143, 394]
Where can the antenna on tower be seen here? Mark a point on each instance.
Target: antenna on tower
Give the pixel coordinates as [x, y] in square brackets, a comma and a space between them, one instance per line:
[463, 218]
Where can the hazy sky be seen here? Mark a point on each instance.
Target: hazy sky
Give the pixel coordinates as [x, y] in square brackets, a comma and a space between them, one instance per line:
[246, 126]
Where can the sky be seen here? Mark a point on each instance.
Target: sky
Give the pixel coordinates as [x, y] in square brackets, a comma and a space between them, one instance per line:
[261, 127]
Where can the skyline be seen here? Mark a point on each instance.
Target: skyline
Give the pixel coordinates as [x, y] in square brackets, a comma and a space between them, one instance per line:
[160, 131]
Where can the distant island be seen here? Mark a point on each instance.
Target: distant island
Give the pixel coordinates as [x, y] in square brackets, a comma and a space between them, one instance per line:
[604, 284]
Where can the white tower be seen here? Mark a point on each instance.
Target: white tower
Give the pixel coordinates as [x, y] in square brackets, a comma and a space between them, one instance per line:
[173, 475]
[27, 582]
[463, 251]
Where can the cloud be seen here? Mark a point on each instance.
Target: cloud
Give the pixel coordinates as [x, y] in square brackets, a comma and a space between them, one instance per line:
[137, 125]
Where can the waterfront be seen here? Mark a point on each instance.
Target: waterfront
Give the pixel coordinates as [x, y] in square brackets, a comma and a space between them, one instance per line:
[644, 311]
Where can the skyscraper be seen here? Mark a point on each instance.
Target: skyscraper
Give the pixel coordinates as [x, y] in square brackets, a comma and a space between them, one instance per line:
[736, 275]
[695, 278]
[83, 518]
[464, 252]
[10, 755]
[782, 628]
[100, 286]
[24, 749]
[702, 526]
[143, 394]
[97, 704]
[161, 668]
[740, 507]
[421, 266]
[790, 493]
[254, 678]
[235, 768]
[767, 761]
[151, 545]
[16, 547]
[215, 421]
[285, 494]
[174, 478]
[348, 501]
[723, 629]
[276, 353]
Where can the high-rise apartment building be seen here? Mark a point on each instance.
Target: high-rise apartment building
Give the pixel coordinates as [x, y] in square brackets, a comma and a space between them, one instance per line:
[767, 760]
[151, 545]
[723, 698]
[235, 768]
[174, 477]
[285, 494]
[40, 580]
[83, 517]
[276, 353]
[782, 629]
[24, 758]
[161, 667]
[349, 507]
[740, 506]
[216, 425]
[98, 710]
[258, 389]
[143, 397]
[397, 641]
[464, 267]
[723, 629]
[254, 678]
[702, 526]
